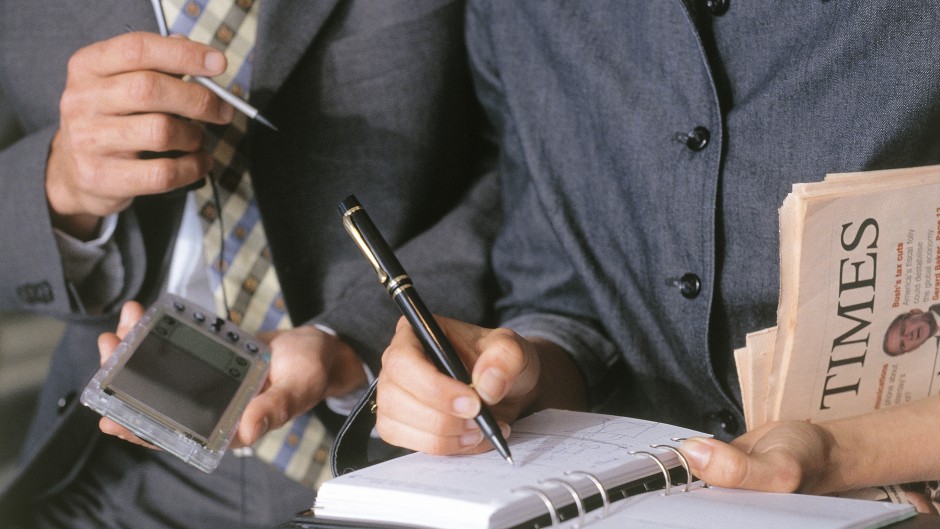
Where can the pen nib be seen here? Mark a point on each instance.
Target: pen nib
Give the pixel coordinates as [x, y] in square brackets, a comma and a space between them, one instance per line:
[265, 122]
[510, 461]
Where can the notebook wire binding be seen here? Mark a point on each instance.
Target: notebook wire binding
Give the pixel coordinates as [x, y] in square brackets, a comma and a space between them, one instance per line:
[582, 506]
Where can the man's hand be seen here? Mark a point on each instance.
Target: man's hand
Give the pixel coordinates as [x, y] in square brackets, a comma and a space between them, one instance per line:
[307, 365]
[131, 313]
[124, 97]
[423, 409]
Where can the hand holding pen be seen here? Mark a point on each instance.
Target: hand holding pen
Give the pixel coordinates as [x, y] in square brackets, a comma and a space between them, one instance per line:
[227, 96]
[402, 290]
[116, 105]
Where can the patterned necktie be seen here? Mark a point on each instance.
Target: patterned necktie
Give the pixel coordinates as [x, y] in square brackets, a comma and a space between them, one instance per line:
[242, 277]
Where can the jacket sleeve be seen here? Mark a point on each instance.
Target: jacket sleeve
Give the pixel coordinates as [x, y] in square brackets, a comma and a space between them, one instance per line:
[32, 271]
[541, 293]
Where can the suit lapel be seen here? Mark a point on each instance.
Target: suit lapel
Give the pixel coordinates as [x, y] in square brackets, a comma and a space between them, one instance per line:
[103, 19]
[285, 30]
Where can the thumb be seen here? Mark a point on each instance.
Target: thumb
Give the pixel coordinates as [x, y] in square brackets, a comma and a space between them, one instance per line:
[721, 464]
[131, 313]
[269, 410]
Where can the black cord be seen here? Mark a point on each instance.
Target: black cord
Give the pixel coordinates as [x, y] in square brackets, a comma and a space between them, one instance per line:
[216, 197]
[218, 211]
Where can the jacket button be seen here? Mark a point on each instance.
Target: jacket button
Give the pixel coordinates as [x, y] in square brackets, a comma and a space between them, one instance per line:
[727, 422]
[63, 403]
[697, 138]
[717, 7]
[690, 286]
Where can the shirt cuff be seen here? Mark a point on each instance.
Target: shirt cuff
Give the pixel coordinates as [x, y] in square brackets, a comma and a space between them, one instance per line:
[93, 269]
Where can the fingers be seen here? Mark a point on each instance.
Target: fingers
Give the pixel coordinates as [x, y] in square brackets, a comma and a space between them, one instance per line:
[423, 409]
[921, 503]
[267, 411]
[131, 313]
[146, 51]
[122, 97]
[145, 92]
[304, 366]
[128, 74]
[110, 427]
[106, 185]
[504, 365]
[717, 463]
[128, 135]
[107, 343]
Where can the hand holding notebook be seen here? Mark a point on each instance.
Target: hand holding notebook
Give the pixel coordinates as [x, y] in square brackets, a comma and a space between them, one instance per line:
[572, 468]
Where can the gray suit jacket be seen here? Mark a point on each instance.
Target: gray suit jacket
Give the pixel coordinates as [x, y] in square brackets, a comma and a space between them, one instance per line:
[371, 98]
[645, 149]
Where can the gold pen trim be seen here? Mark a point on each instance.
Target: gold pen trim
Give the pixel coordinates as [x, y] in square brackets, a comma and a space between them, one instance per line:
[354, 232]
[400, 289]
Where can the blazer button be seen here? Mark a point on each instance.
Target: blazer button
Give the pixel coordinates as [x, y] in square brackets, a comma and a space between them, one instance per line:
[690, 286]
[697, 138]
[717, 7]
[63, 403]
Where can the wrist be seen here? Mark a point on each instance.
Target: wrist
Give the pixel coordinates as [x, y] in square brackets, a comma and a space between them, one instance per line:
[346, 372]
[841, 455]
[557, 370]
[83, 227]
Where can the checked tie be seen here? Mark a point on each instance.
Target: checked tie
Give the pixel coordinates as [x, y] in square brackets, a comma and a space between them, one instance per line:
[242, 277]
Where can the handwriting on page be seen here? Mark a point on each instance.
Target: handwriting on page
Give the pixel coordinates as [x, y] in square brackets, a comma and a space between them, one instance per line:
[545, 445]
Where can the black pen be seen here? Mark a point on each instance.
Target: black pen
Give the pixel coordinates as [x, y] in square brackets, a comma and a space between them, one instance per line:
[400, 287]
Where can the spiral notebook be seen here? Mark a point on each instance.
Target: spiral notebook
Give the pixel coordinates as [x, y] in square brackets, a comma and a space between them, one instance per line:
[572, 469]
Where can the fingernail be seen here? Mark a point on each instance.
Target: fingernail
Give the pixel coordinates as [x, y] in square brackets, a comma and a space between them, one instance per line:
[466, 406]
[505, 430]
[262, 428]
[697, 452]
[471, 438]
[215, 62]
[492, 385]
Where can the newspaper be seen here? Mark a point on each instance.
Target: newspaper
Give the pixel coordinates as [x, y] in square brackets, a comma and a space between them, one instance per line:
[858, 324]
[859, 252]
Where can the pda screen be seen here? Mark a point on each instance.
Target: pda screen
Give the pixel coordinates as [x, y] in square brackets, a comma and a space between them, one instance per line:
[183, 375]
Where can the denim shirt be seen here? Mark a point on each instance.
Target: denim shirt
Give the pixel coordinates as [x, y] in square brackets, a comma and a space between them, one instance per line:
[645, 150]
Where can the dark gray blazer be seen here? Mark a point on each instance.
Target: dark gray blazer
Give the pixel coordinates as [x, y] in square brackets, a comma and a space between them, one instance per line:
[645, 149]
[371, 98]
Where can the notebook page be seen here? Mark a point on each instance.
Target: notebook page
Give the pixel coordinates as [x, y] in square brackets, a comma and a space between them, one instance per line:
[477, 491]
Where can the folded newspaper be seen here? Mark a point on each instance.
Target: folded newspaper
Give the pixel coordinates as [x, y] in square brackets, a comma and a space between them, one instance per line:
[859, 313]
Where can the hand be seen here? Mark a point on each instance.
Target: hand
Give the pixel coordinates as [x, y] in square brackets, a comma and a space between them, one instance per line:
[131, 313]
[799, 456]
[423, 409]
[123, 97]
[307, 365]
[788, 456]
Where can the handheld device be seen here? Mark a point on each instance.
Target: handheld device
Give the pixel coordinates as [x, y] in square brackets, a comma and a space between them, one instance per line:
[180, 380]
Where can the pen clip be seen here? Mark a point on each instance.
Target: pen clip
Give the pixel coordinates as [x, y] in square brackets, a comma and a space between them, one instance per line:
[354, 232]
